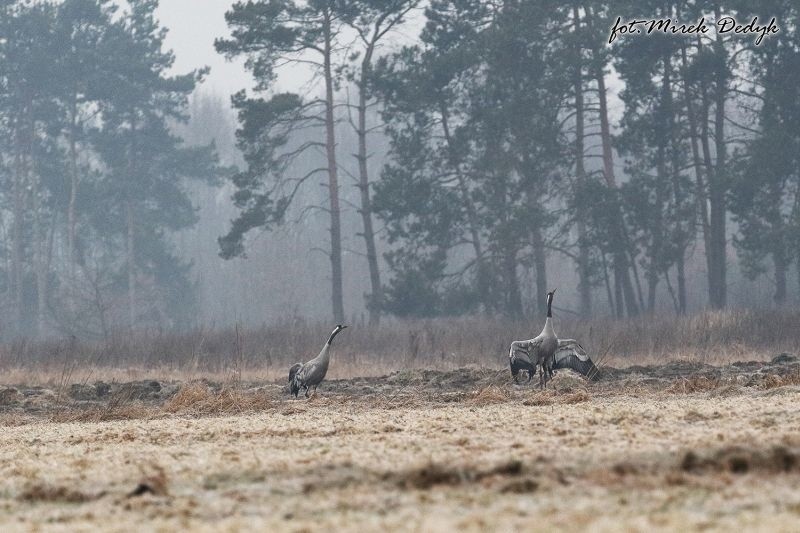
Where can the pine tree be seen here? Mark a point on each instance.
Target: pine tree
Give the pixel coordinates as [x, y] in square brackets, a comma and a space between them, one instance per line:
[30, 118]
[658, 197]
[375, 21]
[425, 197]
[272, 33]
[765, 193]
[143, 188]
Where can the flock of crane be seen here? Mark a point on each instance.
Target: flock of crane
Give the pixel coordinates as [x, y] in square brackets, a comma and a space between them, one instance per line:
[545, 351]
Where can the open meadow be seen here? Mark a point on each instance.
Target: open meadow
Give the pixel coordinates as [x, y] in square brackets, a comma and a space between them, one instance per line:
[657, 442]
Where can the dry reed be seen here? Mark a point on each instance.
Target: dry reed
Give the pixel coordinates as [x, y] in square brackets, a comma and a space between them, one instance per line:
[198, 398]
[264, 353]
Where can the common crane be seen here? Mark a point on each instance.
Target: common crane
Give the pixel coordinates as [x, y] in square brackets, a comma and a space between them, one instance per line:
[549, 353]
[310, 374]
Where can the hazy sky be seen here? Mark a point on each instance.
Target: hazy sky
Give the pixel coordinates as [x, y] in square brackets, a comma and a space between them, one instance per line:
[193, 26]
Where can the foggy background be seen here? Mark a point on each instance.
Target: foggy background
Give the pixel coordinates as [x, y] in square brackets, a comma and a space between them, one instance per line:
[286, 273]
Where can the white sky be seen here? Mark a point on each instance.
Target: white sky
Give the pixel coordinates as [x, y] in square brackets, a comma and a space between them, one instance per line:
[193, 26]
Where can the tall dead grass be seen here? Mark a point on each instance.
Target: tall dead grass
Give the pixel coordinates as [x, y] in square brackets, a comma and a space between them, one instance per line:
[198, 398]
[265, 352]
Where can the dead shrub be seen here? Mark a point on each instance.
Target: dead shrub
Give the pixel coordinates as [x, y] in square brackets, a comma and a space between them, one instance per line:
[792, 378]
[576, 397]
[198, 398]
[550, 397]
[692, 384]
[9, 396]
[188, 396]
[490, 395]
[545, 397]
[772, 381]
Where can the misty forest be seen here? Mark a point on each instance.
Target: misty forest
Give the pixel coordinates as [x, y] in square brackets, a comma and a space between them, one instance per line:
[399, 265]
[445, 158]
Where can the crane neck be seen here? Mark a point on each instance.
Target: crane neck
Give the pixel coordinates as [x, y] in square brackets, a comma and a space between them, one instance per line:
[333, 334]
[548, 330]
[324, 354]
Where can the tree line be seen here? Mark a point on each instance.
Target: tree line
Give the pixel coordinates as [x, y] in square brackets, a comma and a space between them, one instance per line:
[93, 176]
[505, 155]
[490, 142]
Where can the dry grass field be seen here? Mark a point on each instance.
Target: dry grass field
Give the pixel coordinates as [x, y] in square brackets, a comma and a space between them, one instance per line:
[678, 446]
[658, 443]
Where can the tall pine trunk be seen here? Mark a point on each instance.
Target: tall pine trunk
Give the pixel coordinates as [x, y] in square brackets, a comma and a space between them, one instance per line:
[701, 194]
[333, 178]
[622, 280]
[623, 287]
[657, 246]
[658, 230]
[677, 192]
[17, 275]
[39, 262]
[513, 295]
[73, 188]
[131, 263]
[609, 292]
[469, 208]
[717, 189]
[705, 144]
[779, 259]
[584, 268]
[376, 298]
[540, 267]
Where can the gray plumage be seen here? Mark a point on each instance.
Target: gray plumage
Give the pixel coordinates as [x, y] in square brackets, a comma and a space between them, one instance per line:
[294, 386]
[310, 375]
[570, 354]
[519, 360]
[548, 353]
[538, 351]
[525, 355]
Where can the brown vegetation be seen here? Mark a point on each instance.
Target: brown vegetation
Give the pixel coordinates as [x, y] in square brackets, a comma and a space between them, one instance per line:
[679, 445]
[199, 398]
[267, 352]
[651, 459]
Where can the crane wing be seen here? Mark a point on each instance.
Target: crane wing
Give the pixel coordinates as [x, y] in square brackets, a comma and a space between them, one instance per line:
[519, 357]
[521, 351]
[570, 354]
[294, 370]
[294, 382]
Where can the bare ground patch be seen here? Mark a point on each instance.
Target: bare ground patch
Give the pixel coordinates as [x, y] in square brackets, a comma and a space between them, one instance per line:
[680, 446]
[651, 460]
[105, 401]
